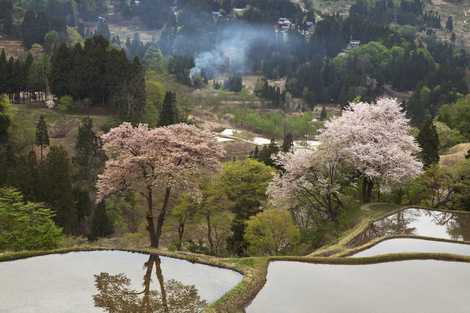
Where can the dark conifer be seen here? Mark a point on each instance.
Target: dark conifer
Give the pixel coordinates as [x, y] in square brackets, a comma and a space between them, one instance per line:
[169, 111]
[42, 135]
[429, 142]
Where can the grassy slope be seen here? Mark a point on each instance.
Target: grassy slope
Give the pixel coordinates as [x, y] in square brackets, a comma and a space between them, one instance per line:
[26, 117]
[455, 154]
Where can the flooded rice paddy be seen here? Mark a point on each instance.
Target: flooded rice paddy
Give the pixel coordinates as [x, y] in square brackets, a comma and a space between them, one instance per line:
[406, 287]
[409, 245]
[418, 222]
[110, 281]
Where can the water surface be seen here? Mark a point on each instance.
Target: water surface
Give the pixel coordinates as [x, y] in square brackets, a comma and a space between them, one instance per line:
[401, 245]
[418, 286]
[109, 281]
[418, 222]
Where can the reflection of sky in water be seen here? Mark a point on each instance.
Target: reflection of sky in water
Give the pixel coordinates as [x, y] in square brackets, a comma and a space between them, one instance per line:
[429, 223]
[395, 287]
[401, 245]
[65, 283]
[420, 222]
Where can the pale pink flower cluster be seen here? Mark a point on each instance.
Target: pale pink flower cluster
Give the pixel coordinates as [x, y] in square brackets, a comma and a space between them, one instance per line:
[373, 139]
[376, 140]
[140, 158]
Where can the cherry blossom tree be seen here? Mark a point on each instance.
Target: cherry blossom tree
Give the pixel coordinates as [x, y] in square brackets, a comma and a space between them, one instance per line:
[153, 161]
[372, 140]
[375, 139]
[309, 185]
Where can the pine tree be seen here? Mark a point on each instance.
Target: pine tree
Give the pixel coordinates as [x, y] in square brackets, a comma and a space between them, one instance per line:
[169, 112]
[42, 134]
[287, 143]
[429, 142]
[101, 225]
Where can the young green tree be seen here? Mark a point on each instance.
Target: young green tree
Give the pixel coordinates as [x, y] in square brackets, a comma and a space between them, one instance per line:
[42, 135]
[429, 143]
[26, 225]
[271, 232]
[169, 112]
[245, 183]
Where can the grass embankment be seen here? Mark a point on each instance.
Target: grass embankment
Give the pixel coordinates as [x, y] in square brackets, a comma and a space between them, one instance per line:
[369, 213]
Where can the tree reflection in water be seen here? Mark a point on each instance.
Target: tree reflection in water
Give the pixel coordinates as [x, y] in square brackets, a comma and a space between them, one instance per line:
[413, 221]
[115, 295]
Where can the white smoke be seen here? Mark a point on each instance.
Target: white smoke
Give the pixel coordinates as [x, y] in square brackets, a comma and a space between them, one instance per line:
[230, 52]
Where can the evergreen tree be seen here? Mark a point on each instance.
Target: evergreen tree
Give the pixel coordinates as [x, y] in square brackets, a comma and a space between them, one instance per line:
[83, 206]
[168, 112]
[88, 155]
[266, 153]
[101, 225]
[58, 188]
[5, 119]
[450, 24]
[42, 135]
[429, 142]
[287, 143]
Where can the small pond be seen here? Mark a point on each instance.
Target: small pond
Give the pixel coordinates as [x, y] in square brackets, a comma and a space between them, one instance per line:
[405, 287]
[403, 245]
[418, 222]
[110, 281]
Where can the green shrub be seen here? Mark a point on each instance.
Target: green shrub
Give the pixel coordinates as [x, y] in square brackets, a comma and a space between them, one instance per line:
[65, 104]
[26, 225]
[271, 232]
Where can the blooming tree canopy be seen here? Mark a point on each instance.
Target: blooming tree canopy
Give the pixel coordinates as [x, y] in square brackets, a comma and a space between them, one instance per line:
[370, 139]
[375, 139]
[308, 186]
[148, 160]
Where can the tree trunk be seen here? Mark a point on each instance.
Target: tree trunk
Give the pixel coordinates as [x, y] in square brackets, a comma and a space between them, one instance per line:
[180, 235]
[150, 222]
[209, 234]
[367, 188]
[161, 281]
[162, 216]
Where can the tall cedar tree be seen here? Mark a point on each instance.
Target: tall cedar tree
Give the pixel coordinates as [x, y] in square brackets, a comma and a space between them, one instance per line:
[88, 155]
[42, 135]
[5, 150]
[169, 112]
[58, 189]
[429, 142]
